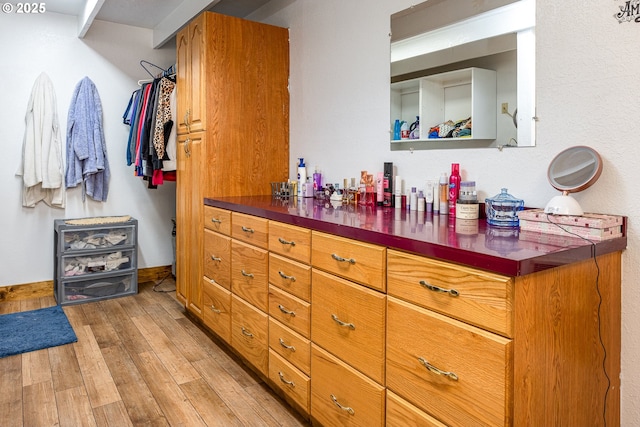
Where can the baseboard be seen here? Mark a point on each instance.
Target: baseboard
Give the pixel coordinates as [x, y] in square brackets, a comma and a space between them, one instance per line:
[45, 289]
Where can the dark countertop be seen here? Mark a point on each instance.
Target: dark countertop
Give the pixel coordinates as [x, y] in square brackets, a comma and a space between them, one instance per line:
[507, 251]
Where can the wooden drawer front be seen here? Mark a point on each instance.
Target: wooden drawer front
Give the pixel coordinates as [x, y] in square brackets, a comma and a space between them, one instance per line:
[291, 241]
[483, 299]
[295, 384]
[217, 258]
[292, 346]
[401, 413]
[290, 311]
[249, 273]
[291, 276]
[361, 262]
[249, 333]
[342, 396]
[348, 320]
[250, 229]
[482, 362]
[217, 220]
[217, 309]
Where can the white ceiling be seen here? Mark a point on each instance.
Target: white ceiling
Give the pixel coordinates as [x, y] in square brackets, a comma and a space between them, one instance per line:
[165, 17]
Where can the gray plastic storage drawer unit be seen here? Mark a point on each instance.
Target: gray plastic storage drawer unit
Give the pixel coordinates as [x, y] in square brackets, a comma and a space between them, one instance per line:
[95, 258]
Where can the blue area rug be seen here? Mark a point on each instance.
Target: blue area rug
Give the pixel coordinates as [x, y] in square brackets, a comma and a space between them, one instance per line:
[34, 330]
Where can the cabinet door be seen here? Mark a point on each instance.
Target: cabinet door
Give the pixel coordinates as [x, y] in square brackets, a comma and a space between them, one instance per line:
[182, 79]
[197, 62]
[189, 217]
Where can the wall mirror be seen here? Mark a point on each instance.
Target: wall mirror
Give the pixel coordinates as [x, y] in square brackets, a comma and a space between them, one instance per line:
[463, 75]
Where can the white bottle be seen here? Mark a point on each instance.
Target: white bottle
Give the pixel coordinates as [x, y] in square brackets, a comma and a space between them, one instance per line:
[302, 177]
[413, 199]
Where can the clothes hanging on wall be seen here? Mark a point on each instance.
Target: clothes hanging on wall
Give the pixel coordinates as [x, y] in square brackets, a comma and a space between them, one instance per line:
[42, 168]
[151, 146]
[87, 161]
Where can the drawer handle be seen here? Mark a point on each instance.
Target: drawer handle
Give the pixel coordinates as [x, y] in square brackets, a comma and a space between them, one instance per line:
[246, 332]
[285, 311]
[284, 242]
[247, 229]
[288, 347]
[214, 309]
[284, 276]
[435, 370]
[216, 220]
[339, 258]
[215, 258]
[433, 288]
[291, 383]
[341, 323]
[245, 274]
[347, 409]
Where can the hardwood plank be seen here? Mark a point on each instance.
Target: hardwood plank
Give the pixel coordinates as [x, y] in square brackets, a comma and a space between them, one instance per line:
[232, 394]
[178, 336]
[172, 359]
[210, 406]
[39, 405]
[115, 414]
[138, 401]
[100, 386]
[35, 367]
[74, 408]
[9, 306]
[76, 316]
[170, 398]
[105, 334]
[274, 406]
[130, 336]
[65, 370]
[30, 304]
[222, 355]
[11, 395]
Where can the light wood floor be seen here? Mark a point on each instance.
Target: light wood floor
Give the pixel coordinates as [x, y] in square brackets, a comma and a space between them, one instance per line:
[138, 361]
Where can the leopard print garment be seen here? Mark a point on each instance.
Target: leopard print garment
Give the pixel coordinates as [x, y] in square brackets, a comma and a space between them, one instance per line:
[163, 115]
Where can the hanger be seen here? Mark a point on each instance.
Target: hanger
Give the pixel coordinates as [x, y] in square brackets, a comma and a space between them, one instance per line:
[169, 72]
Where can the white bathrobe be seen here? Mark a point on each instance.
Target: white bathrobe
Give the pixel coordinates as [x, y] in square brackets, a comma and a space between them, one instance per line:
[42, 169]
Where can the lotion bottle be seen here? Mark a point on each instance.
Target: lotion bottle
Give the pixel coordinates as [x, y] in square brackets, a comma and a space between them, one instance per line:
[444, 194]
[429, 196]
[302, 176]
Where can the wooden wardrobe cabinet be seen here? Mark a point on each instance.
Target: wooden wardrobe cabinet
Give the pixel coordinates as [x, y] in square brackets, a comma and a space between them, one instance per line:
[233, 126]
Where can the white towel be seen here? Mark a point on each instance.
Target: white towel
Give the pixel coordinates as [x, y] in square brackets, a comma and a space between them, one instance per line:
[42, 169]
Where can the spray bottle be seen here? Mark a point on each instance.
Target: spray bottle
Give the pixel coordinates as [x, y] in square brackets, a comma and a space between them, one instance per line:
[454, 188]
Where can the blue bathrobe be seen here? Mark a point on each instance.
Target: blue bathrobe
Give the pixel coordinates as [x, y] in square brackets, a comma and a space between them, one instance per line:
[87, 162]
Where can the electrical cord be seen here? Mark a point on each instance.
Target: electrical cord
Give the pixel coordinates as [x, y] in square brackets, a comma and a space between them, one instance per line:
[155, 286]
[604, 359]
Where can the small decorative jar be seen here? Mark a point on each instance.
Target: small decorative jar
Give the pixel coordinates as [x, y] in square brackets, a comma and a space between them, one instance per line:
[502, 209]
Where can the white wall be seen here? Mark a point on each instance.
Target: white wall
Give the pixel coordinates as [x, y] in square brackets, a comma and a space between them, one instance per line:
[109, 55]
[587, 67]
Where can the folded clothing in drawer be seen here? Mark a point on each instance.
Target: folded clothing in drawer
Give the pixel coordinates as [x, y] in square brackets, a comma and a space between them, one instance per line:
[96, 263]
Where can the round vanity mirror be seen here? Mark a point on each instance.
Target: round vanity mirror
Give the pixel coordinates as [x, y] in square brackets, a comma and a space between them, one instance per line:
[572, 170]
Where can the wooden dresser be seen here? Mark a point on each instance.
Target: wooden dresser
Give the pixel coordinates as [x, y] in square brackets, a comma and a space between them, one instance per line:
[372, 317]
